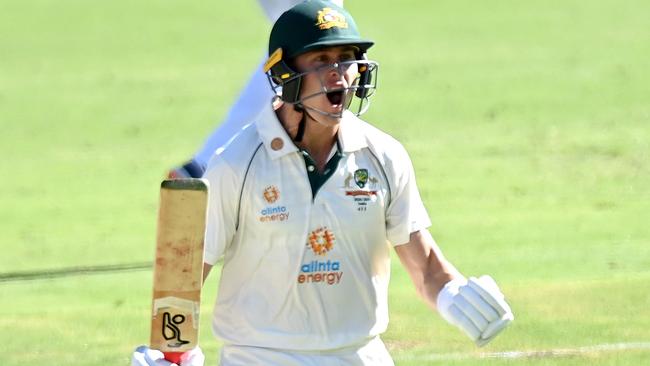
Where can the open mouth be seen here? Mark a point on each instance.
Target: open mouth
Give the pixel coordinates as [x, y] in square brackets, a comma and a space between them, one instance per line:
[335, 97]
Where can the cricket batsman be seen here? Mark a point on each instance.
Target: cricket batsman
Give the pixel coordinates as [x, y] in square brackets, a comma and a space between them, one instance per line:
[306, 205]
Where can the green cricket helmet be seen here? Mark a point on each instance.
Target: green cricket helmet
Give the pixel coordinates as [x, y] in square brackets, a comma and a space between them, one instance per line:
[309, 26]
[315, 24]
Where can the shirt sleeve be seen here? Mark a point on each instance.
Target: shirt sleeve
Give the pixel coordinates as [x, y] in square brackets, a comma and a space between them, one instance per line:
[406, 212]
[223, 198]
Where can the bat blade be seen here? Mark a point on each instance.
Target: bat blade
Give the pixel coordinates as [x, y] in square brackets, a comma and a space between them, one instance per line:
[178, 266]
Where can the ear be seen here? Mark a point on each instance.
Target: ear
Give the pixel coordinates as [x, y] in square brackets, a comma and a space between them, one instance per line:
[282, 75]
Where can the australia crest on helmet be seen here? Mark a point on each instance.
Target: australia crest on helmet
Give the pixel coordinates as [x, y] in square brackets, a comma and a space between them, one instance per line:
[330, 18]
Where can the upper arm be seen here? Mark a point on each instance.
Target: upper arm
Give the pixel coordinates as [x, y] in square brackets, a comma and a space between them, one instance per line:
[222, 215]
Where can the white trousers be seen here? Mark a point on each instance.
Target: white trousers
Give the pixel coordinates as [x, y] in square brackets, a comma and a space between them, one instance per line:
[373, 353]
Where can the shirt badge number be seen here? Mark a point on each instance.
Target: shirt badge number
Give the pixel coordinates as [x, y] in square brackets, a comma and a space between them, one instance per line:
[366, 185]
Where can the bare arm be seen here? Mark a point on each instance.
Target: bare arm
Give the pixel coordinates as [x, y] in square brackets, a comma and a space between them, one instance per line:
[425, 264]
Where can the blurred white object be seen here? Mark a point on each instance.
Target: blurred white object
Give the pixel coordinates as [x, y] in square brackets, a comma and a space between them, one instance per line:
[275, 8]
[145, 356]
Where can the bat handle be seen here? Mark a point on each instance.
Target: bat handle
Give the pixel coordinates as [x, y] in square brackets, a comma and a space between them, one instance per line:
[174, 357]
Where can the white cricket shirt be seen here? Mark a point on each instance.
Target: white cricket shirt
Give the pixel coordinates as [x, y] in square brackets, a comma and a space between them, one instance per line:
[302, 273]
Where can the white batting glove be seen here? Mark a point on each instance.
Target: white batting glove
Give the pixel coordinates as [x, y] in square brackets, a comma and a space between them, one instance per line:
[476, 306]
[145, 356]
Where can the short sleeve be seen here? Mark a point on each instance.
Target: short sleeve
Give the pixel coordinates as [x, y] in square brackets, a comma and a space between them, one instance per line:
[406, 212]
[223, 199]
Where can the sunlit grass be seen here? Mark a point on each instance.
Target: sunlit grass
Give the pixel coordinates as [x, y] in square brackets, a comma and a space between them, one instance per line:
[527, 124]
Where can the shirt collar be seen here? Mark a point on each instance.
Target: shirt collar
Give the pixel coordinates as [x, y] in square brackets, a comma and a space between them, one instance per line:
[275, 139]
[278, 143]
[351, 133]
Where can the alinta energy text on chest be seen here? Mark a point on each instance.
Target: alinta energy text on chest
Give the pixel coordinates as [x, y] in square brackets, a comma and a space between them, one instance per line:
[277, 213]
[324, 272]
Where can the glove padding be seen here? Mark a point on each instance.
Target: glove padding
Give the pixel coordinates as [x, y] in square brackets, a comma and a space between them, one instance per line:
[145, 356]
[476, 306]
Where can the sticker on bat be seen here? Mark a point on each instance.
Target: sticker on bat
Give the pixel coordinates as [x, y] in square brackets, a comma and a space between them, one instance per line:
[171, 331]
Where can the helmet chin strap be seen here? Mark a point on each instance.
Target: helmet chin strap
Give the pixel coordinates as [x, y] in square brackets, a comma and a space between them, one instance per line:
[299, 107]
[301, 126]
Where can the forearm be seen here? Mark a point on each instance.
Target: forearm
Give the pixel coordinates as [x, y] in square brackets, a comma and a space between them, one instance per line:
[426, 265]
[476, 306]
[435, 279]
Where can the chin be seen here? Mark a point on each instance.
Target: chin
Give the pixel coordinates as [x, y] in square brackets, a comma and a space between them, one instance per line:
[335, 111]
[327, 113]
[330, 120]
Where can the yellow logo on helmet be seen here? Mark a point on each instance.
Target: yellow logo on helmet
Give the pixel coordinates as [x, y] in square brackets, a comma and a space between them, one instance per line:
[329, 18]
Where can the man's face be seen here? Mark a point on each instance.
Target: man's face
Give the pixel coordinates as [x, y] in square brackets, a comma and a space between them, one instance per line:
[324, 87]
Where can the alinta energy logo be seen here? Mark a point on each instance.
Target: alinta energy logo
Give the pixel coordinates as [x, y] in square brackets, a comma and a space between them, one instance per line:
[271, 194]
[321, 241]
[273, 213]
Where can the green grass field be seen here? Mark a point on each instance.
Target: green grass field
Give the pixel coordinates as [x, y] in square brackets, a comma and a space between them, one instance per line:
[528, 123]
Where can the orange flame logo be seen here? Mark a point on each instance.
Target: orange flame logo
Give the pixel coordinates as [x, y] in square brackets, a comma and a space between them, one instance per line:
[321, 241]
[271, 194]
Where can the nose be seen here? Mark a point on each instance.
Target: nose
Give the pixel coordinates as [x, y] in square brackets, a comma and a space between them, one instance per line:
[334, 69]
[336, 75]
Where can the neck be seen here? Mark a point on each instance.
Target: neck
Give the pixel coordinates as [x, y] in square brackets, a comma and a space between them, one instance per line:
[318, 139]
[320, 132]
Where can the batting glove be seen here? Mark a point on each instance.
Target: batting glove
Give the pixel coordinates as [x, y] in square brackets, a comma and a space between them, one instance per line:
[145, 356]
[476, 306]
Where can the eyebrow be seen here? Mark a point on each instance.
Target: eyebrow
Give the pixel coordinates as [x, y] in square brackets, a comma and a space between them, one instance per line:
[346, 48]
[350, 48]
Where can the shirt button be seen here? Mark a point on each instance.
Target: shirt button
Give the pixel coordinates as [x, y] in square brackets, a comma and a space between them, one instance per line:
[277, 144]
[311, 168]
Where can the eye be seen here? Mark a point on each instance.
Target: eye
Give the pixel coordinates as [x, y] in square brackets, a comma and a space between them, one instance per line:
[319, 60]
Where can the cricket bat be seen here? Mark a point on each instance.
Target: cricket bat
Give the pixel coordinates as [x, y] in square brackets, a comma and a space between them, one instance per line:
[178, 267]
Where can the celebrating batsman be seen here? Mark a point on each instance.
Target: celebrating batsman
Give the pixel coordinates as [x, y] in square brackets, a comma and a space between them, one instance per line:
[306, 204]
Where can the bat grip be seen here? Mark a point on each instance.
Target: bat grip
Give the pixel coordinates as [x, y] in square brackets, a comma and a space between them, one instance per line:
[174, 357]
